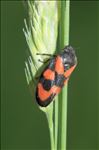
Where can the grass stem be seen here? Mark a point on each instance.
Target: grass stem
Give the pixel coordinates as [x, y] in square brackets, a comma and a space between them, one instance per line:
[49, 115]
[56, 122]
[65, 6]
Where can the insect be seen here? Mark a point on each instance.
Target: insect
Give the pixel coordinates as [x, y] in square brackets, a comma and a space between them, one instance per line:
[55, 76]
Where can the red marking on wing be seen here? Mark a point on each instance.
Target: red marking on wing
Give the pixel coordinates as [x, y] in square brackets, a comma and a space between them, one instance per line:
[68, 72]
[59, 68]
[43, 94]
[49, 74]
[56, 89]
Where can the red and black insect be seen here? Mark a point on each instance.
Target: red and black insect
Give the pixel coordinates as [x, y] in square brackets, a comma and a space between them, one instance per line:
[55, 76]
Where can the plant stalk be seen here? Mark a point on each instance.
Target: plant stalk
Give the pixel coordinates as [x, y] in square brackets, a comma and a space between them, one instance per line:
[49, 115]
[56, 122]
[65, 8]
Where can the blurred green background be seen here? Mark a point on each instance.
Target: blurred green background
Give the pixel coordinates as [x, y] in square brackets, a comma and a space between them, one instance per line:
[23, 126]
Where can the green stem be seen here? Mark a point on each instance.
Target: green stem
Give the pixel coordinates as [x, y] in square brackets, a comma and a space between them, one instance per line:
[65, 41]
[56, 122]
[64, 118]
[67, 23]
[49, 115]
[52, 138]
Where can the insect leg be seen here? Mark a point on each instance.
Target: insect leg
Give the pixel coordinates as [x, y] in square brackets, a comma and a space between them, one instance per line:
[43, 61]
[46, 54]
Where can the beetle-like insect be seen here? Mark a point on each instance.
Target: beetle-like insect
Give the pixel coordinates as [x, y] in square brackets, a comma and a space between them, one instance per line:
[55, 76]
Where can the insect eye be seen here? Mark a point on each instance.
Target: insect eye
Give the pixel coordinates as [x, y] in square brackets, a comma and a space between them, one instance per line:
[67, 66]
